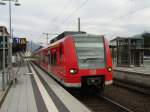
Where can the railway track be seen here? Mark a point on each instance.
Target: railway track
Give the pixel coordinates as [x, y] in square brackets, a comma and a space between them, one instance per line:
[116, 99]
[99, 103]
[134, 100]
[119, 107]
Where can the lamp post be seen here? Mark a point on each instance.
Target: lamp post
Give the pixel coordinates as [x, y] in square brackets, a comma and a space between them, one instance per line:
[2, 2]
[46, 37]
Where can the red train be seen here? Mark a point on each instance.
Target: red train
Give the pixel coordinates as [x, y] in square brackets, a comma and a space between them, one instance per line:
[77, 59]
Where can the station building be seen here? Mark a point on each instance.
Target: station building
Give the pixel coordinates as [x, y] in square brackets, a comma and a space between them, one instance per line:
[146, 37]
[18, 45]
[4, 33]
[130, 51]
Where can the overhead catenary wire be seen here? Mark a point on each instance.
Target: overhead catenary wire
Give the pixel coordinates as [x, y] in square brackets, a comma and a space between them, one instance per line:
[76, 10]
[129, 14]
[64, 8]
[106, 13]
[73, 12]
[107, 22]
[60, 13]
[126, 15]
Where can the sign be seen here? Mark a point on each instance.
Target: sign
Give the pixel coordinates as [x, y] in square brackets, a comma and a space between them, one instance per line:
[23, 41]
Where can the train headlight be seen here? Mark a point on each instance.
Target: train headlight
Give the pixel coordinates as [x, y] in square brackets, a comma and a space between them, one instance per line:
[73, 71]
[109, 69]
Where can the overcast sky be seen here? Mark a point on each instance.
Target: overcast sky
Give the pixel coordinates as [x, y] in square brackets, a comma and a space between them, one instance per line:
[110, 17]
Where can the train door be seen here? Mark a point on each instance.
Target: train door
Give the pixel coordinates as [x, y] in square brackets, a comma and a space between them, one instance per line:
[54, 60]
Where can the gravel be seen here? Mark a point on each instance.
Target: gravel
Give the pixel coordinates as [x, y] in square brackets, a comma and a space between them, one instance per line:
[130, 99]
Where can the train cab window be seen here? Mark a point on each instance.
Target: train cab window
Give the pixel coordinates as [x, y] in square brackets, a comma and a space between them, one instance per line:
[90, 51]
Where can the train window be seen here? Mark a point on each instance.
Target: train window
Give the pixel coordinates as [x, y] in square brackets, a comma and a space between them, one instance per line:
[54, 59]
[46, 59]
[60, 52]
[90, 51]
[49, 57]
[42, 57]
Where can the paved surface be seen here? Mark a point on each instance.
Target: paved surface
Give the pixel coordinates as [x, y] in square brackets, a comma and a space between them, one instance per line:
[20, 97]
[60, 96]
[39, 93]
[50, 106]
[1, 81]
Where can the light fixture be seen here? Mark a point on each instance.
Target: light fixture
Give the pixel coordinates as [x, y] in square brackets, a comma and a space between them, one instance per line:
[73, 71]
[109, 69]
[2, 3]
[17, 4]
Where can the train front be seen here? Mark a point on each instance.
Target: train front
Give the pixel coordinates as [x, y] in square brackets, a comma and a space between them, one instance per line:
[94, 64]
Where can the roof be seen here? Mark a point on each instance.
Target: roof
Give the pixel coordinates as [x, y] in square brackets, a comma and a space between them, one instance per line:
[115, 39]
[137, 36]
[124, 38]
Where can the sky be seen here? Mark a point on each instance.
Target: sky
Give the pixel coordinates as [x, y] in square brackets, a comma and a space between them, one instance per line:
[104, 17]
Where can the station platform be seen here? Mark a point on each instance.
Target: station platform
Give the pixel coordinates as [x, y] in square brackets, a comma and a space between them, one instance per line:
[35, 91]
[136, 75]
[139, 70]
[20, 97]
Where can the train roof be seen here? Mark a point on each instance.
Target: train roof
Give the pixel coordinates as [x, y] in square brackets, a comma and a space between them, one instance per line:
[65, 33]
[87, 35]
